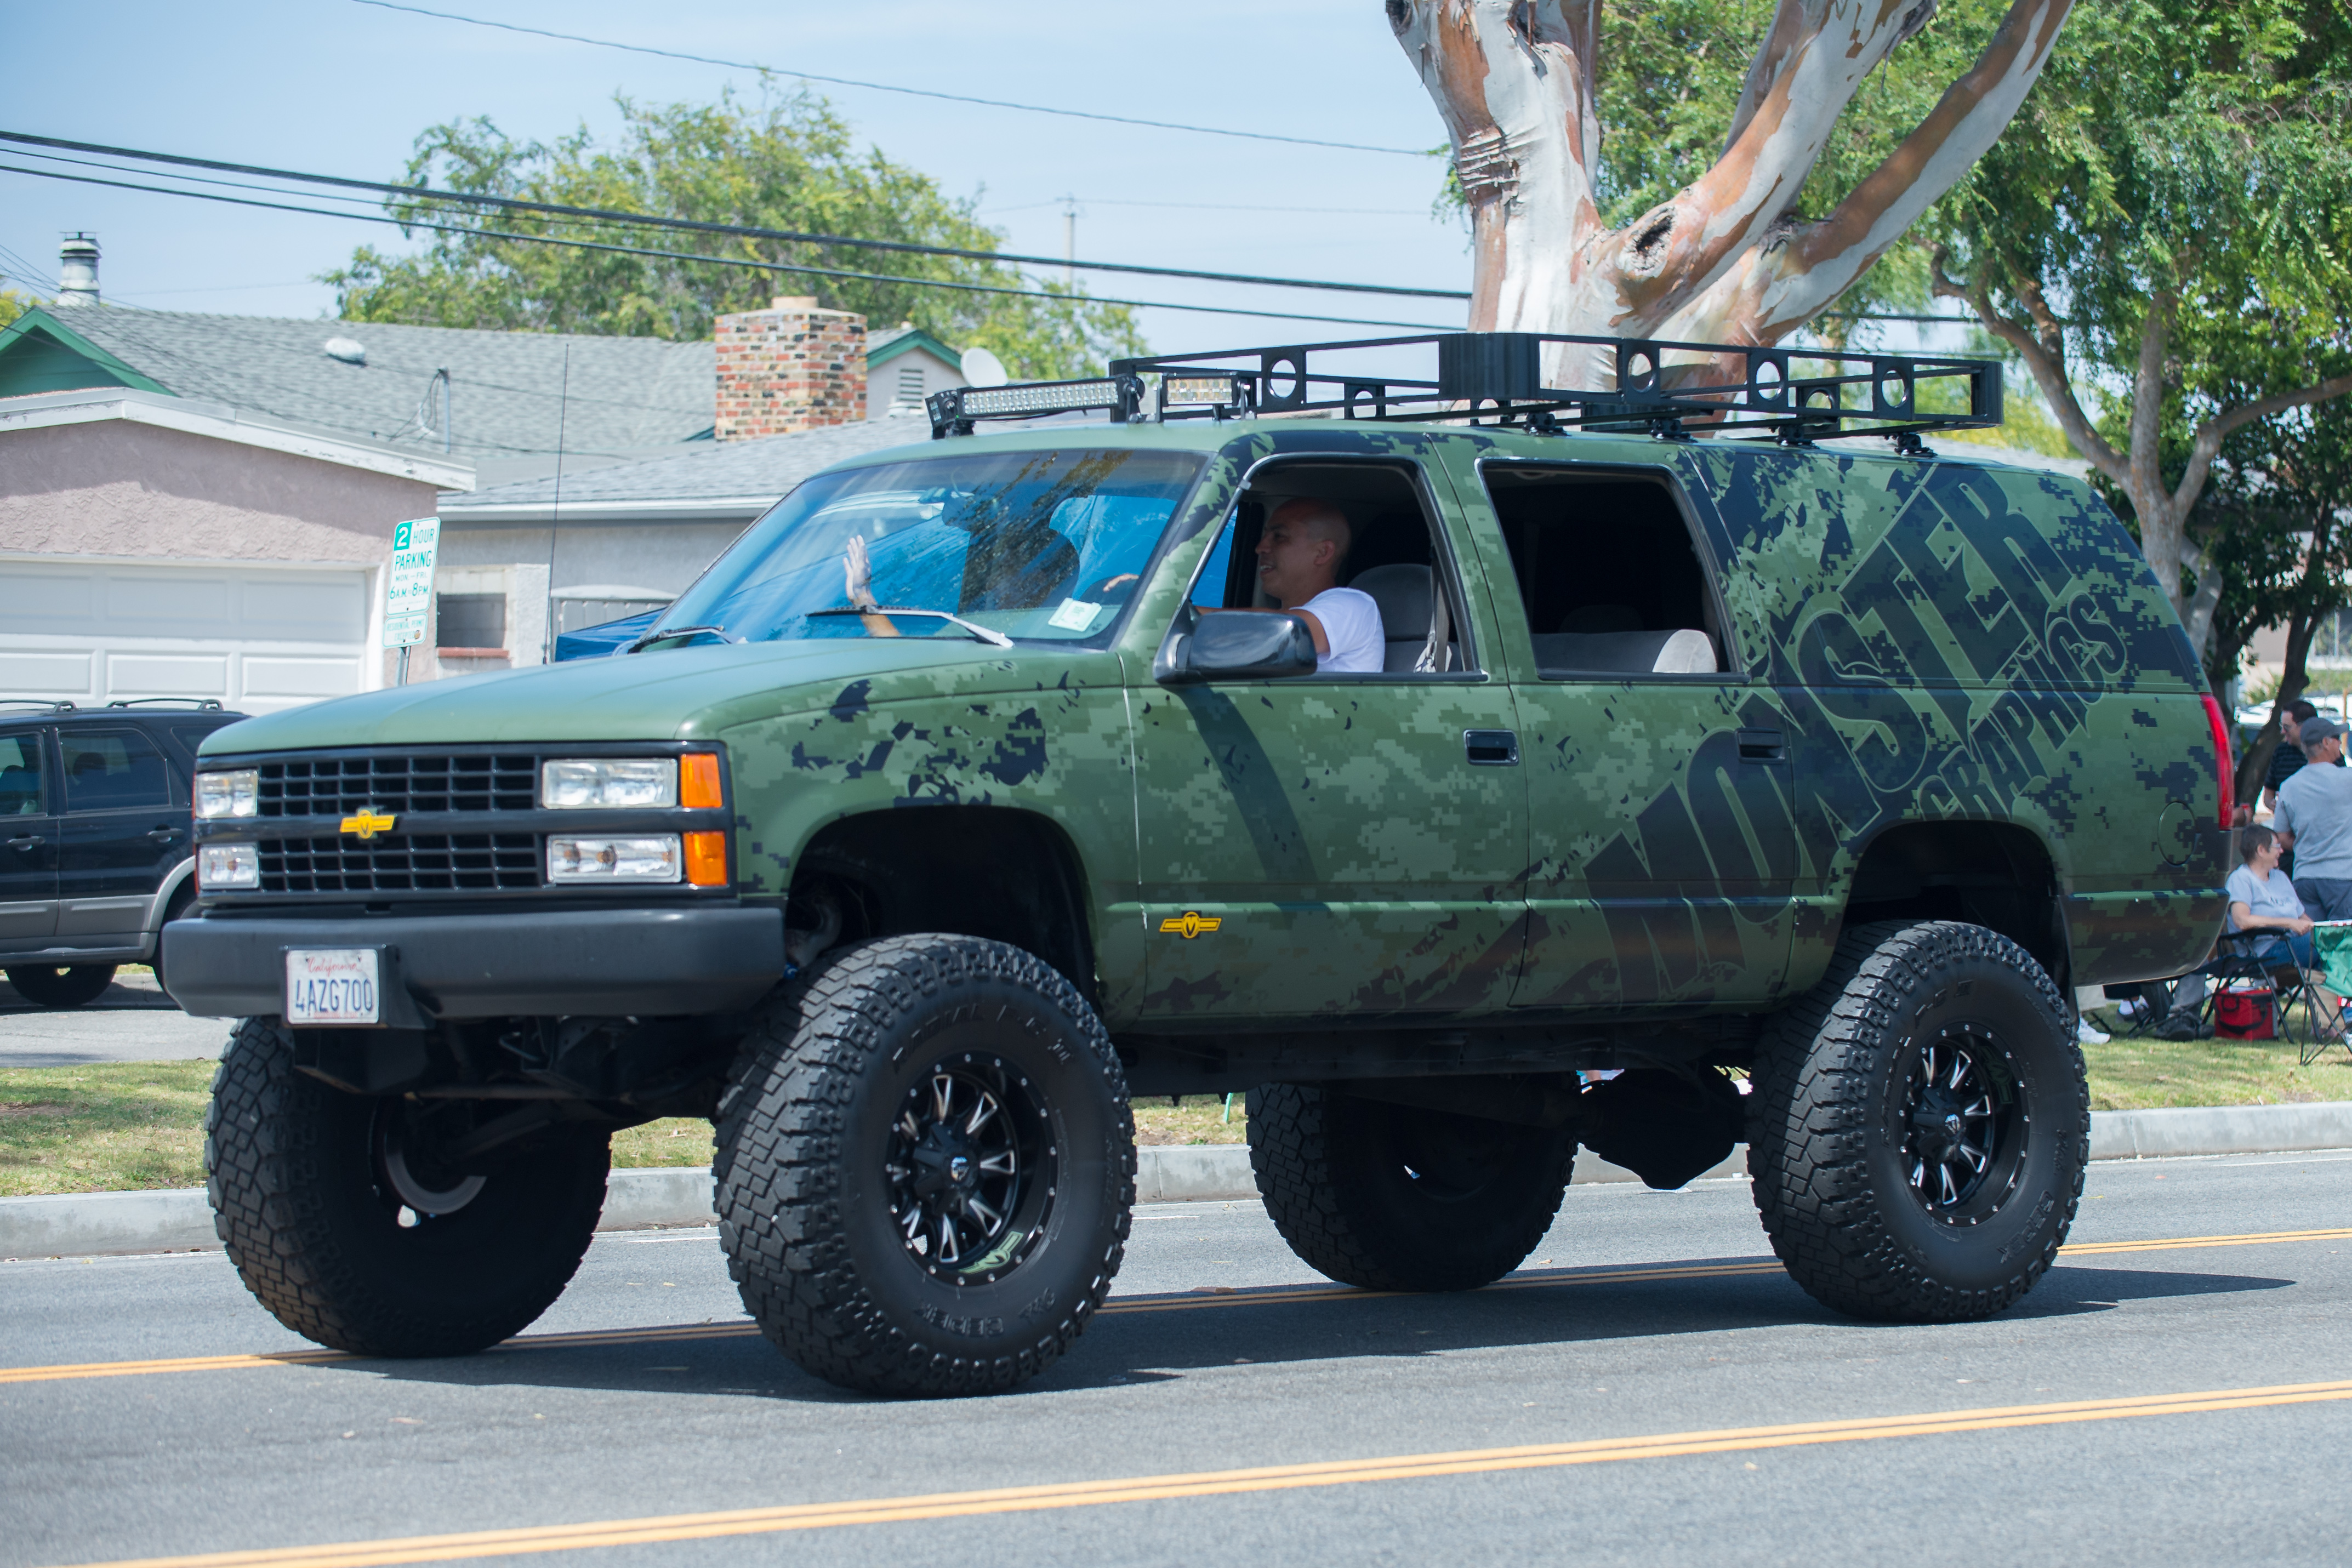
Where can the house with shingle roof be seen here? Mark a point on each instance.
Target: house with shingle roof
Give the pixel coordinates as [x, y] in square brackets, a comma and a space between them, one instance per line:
[162, 457]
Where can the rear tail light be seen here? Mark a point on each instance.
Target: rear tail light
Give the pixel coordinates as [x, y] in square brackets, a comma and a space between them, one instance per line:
[2222, 764]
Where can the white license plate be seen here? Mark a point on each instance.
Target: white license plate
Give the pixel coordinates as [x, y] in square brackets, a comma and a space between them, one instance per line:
[331, 986]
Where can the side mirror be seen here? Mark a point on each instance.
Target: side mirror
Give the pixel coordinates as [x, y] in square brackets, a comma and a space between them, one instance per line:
[1226, 647]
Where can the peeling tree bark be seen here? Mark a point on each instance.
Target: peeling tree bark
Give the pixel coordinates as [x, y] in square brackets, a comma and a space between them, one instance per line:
[1724, 260]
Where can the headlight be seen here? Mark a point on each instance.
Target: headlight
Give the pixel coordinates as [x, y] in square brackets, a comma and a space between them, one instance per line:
[236, 793]
[223, 866]
[652, 858]
[588, 783]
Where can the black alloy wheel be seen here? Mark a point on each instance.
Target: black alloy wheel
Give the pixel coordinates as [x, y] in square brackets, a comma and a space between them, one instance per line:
[925, 1167]
[971, 1164]
[1919, 1125]
[1964, 1148]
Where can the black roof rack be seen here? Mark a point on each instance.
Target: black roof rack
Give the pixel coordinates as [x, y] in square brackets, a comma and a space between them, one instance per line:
[202, 704]
[47, 705]
[1496, 378]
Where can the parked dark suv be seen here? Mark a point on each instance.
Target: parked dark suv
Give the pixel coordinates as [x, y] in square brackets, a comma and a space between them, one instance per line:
[94, 852]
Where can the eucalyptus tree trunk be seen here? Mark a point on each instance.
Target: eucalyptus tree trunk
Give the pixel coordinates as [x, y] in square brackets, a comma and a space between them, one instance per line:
[1724, 260]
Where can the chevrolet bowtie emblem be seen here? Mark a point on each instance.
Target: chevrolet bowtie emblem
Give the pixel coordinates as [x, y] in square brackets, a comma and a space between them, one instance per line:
[1190, 924]
[368, 823]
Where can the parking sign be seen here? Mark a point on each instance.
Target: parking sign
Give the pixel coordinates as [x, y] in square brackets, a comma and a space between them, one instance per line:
[408, 588]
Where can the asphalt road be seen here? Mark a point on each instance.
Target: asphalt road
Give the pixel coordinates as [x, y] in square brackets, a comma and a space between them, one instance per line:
[1644, 1319]
[130, 1020]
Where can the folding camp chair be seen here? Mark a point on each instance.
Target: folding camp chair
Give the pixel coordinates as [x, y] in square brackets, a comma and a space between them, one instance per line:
[2260, 959]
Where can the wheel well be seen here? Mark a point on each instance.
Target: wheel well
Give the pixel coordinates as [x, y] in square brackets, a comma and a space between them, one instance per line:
[1994, 874]
[976, 871]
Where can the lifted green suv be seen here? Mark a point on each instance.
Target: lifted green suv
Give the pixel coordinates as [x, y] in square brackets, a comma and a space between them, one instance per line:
[953, 806]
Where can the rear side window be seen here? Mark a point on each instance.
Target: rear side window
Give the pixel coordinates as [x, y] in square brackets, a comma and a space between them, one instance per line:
[109, 769]
[1607, 571]
[20, 773]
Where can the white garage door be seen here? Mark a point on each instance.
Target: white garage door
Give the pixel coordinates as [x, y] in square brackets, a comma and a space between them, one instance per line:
[256, 638]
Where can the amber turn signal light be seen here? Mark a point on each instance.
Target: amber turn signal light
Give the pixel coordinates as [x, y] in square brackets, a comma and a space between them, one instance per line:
[698, 780]
[705, 860]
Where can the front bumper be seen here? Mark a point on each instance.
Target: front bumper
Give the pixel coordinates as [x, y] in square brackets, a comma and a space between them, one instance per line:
[580, 963]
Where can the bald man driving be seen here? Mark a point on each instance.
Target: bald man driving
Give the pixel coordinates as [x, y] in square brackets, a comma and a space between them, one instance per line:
[1299, 554]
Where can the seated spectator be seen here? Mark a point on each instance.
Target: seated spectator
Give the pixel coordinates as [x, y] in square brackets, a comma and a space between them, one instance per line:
[2267, 914]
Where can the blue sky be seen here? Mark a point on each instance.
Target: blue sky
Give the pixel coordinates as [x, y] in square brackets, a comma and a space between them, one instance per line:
[339, 87]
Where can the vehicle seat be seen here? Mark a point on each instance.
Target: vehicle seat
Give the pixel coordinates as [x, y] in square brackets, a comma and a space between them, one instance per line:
[1402, 592]
[1682, 652]
[1601, 617]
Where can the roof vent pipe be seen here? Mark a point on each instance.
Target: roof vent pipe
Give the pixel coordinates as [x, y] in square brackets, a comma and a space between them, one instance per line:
[78, 270]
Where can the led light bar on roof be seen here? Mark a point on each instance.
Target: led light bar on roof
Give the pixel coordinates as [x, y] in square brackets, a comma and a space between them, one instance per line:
[995, 402]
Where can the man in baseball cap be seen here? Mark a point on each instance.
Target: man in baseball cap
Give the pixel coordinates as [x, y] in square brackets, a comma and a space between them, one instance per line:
[2313, 815]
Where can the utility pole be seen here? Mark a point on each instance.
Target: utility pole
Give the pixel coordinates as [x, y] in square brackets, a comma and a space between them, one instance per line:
[1070, 241]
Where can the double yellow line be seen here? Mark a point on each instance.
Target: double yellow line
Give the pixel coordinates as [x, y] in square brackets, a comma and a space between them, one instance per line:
[677, 1527]
[1197, 1301]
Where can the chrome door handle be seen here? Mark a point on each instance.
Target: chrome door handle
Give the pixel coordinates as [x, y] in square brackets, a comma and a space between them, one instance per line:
[163, 834]
[30, 842]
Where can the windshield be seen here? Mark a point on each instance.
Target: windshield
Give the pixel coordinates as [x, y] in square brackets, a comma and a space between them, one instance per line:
[1021, 544]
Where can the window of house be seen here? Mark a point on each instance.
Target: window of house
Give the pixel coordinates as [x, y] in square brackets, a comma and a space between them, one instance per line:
[470, 620]
[1607, 570]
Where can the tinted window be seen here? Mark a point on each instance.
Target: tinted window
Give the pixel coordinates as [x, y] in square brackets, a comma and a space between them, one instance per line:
[1031, 544]
[470, 620]
[106, 769]
[20, 773]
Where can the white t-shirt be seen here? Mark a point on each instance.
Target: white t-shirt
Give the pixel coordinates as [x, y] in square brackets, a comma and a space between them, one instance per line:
[1352, 625]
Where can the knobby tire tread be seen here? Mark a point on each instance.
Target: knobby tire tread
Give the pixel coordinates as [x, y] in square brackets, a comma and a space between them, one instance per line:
[1817, 1070]
[779, 1156]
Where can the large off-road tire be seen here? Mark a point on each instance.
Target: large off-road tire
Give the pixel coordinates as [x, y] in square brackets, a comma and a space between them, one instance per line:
[1395, 1199]
[1919, 1125]
[323, 1207]
[60, 984]
[925, 1167]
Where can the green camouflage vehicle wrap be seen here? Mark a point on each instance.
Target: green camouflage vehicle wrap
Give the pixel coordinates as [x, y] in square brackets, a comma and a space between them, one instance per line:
[1932, 640]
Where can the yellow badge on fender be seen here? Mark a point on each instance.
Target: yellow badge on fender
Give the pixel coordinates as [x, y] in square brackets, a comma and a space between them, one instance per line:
[1190, 924]
[368, 824]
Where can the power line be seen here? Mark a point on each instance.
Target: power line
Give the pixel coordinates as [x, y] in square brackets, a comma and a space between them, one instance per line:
[1223, 208]
[697, 225]
[887, 87]
[744, 262]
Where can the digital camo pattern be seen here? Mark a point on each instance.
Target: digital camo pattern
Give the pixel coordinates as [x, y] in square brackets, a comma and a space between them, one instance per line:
[1924, 641]
[1955, 641]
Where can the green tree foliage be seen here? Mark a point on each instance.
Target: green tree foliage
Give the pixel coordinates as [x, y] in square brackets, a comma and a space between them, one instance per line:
[2168, 220]
[13, 305]
[2276, 521]
[791, 163]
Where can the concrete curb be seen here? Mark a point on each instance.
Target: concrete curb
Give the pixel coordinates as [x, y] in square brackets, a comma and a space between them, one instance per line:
[99, 1223]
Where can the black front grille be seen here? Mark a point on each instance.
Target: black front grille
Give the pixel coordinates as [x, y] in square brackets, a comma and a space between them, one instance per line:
[342, 786]
[414, 863]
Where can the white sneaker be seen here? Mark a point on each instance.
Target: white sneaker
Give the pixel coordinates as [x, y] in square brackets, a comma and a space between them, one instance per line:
[2131, 1007]
[2088, 1032]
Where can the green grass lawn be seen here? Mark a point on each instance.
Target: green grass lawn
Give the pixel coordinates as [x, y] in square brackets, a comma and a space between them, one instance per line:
[120, 1125]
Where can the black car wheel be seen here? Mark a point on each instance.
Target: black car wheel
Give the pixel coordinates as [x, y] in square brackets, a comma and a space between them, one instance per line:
[1392, 1198]
[925, 1167]
[348, 1221]
[60, 984]
[1919, 1125]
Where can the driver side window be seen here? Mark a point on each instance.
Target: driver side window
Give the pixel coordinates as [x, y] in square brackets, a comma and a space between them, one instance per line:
[1395, 555]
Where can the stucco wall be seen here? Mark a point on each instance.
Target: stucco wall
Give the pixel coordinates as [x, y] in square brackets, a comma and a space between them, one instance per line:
[115, 488]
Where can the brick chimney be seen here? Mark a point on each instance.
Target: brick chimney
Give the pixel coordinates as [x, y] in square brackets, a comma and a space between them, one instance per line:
[791, 367]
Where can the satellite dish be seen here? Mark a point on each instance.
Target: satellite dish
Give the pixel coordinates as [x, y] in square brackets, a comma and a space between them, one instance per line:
[348, 350]
[982, 369]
